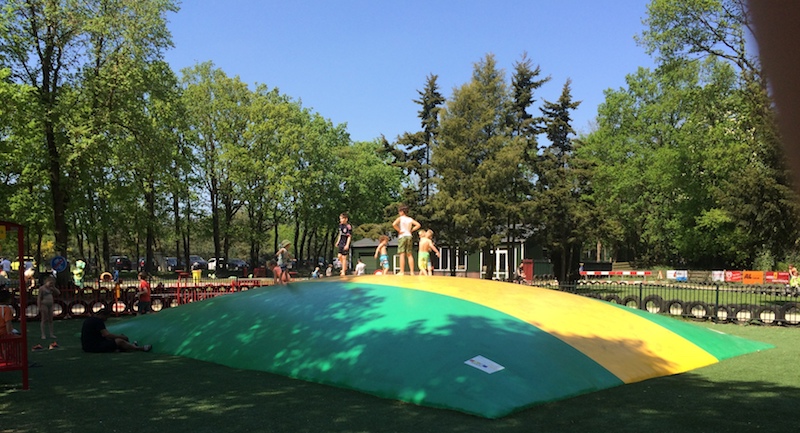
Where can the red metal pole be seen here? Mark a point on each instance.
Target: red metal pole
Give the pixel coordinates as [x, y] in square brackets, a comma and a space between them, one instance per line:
[23, 301]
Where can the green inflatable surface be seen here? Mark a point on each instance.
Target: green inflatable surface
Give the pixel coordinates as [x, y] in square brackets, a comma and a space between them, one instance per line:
[413, 345]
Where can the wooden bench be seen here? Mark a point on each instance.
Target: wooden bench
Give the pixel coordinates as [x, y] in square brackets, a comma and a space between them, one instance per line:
[13, 356]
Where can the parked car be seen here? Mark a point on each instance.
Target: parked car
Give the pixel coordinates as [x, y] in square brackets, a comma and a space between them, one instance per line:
[120, 263]
[201, 262]
[172, 264]
[232, 264]
[153, 266]
[237, 264]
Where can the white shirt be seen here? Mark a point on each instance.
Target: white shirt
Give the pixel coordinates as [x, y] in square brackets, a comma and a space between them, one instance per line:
[361, 268]
[406, 222]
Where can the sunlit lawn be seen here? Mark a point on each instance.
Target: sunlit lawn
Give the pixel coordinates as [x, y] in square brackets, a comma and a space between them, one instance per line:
[145, 392]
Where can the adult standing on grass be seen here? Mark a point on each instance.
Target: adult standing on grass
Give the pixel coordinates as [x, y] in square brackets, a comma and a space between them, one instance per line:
[143, 294]
[45, 301]
[343, 243]
[95, 338]
[405, 226]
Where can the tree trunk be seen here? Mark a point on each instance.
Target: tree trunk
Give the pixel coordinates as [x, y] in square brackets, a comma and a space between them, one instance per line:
[106, 252]
[150, 202]
[58, 193]
[176, 214]
[453, 263]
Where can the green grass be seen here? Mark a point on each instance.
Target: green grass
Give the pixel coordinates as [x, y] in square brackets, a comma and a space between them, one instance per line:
[142, 392]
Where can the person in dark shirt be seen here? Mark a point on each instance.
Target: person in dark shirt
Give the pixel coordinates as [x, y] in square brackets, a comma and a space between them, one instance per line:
[343, 243]
[95, 338]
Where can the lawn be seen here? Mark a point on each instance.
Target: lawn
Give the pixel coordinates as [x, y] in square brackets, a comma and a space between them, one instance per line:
[72, 391]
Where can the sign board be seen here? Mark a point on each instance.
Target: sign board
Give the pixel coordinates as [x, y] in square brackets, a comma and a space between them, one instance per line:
[733, 276]
[678, 275]
[59, 264]
[773, 277]
[753, 277]
[718, 276]
[484, 364]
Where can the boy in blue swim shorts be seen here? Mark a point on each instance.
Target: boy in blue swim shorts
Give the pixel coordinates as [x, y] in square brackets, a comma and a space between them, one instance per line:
[381, 252]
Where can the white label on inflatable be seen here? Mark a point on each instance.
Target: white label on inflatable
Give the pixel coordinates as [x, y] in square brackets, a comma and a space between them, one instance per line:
[484, 364]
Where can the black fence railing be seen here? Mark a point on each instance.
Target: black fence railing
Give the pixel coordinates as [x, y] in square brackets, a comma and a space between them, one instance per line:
[74, 301]
[768, 305]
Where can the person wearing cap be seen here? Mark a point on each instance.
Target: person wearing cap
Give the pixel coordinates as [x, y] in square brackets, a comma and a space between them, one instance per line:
[283, 260]
[95, 338]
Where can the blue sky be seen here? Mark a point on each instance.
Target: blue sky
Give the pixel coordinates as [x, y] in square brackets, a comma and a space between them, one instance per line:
[361, 62]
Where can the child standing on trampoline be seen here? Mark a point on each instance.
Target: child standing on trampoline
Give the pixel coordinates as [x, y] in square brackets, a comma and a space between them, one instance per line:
[343, 244]
[381, 251]
[283, 261]
[405, 226]
[426, 246]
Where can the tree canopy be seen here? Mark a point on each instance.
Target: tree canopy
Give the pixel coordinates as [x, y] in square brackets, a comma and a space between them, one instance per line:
[109, 151]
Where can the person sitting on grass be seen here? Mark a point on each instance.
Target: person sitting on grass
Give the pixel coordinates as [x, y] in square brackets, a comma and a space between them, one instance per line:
[95, 338]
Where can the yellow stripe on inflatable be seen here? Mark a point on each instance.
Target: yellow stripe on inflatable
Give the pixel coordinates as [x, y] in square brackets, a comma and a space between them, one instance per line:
[629, 346]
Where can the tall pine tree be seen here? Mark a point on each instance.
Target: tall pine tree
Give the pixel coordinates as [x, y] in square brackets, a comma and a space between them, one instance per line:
[524, 128]
[473, 162]
[561, 211]
[413, 149]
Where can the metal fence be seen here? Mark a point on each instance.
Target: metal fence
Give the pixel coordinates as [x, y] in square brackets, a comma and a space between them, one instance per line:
[768, 305]
[121, 298]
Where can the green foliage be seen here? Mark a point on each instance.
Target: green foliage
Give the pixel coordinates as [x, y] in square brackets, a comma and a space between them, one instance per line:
[412, 151]
[562, 188]
[82, 68]
[115, 154]
[688, 166]
[764, 261]
[472, 160]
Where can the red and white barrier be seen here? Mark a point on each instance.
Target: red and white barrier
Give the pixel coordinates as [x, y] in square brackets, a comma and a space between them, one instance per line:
[615, 273]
